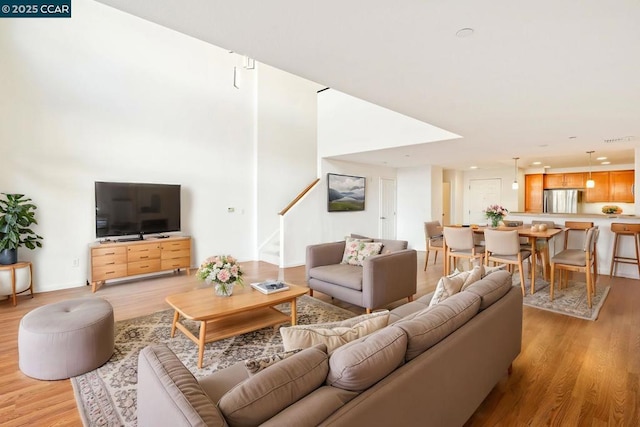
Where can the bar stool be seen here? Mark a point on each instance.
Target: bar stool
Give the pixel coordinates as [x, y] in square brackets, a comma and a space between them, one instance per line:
[621, 229]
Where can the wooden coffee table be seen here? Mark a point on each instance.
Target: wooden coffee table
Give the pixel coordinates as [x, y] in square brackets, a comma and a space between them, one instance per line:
[222, 317]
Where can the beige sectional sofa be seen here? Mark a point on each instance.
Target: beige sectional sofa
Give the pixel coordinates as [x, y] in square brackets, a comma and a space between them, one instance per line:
[431, 366]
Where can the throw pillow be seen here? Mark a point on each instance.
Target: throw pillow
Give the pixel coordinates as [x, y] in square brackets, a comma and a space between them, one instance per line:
[356, 251]
[256, 365]
[260, 397]
[447, 286]
[474, 276]
[333, 334]
[351, 245]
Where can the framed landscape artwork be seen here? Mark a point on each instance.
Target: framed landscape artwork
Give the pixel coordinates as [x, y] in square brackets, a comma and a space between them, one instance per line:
[346, 193]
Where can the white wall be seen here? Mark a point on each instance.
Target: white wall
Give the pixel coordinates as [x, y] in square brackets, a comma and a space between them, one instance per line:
[108, 96]
[352, 125]
[415, 203]
[286, 143]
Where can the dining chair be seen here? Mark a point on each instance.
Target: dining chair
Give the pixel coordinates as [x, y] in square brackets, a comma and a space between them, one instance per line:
[460, 245]
[575, 228]
[504, 247]
[434, 240]
[578, 260]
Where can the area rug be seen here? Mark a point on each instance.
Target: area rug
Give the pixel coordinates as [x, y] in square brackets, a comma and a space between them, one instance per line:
[107, 395]
[570, 301]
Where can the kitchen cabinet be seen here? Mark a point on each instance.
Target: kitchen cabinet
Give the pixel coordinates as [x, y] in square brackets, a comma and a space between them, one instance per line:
[564, 180]
[621, 186]
[533, 190]
[600, 192]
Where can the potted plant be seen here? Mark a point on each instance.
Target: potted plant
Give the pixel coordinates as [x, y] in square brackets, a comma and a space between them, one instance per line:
[16, 216]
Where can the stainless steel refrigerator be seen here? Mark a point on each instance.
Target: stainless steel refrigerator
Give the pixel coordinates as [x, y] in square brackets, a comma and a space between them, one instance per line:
[561, 201]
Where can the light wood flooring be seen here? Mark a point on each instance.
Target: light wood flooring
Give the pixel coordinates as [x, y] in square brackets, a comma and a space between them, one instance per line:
[570, 371]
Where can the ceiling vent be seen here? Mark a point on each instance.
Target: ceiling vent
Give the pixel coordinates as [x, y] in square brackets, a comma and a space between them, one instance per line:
[620, 139]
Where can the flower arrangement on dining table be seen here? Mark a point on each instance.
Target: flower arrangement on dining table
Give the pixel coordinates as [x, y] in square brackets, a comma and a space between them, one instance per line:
[495, 213]
[222, 270]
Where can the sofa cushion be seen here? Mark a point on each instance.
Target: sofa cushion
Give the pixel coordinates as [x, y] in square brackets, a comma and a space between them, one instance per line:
[360, 364]
[345, 275]
[428, 327]
[256, 365]
[389, 246]
[491, 288]
[448, 286]
[356, 251]
[270, 391]
[334, 334]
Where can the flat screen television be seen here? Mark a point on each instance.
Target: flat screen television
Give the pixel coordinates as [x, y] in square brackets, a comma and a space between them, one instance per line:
[126, 208]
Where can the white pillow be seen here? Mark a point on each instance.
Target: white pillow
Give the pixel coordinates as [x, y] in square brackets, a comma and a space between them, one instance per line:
[488, 270]
[447, 286]
[333, 334]
[474, 276]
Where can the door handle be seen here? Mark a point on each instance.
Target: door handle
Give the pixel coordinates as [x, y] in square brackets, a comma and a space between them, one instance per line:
[383, 217]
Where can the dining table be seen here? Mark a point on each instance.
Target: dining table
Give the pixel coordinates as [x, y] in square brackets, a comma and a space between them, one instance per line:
[524, 230]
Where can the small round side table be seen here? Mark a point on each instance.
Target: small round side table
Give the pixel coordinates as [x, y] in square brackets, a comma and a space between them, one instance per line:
[16, 279]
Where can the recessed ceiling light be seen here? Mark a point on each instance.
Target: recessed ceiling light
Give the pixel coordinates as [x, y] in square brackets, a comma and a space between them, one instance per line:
[601, 158]
[536, 163]
[464, 32]
[547, 167]
[543, 145]
[473, 167]
[605, 163]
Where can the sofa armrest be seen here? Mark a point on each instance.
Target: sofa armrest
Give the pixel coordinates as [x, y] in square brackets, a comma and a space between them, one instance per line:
[324, 254]
[168, 394]
[389, 277]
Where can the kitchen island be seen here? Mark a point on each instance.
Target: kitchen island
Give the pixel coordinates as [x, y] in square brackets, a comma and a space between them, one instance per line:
[605, 241]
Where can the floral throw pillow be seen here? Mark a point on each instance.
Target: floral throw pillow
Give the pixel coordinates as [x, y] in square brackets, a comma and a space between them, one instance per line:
[356, 251]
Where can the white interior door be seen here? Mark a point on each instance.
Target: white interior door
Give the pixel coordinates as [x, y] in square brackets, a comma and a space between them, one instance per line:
[446, 203]
[387, 222]
[482, 193]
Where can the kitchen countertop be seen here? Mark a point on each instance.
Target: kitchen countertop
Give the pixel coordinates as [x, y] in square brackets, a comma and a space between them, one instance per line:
[571, 215]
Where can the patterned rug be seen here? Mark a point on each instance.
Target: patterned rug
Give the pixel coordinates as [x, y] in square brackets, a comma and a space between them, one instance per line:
[107, 395]
[571, 301]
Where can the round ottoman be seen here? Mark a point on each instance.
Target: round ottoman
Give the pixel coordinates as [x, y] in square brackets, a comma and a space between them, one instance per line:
[66, 339]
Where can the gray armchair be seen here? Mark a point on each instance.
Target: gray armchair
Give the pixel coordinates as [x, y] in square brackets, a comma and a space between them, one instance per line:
[381, 280]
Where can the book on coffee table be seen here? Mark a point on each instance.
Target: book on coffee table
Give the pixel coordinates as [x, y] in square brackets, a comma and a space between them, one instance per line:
[270, 286]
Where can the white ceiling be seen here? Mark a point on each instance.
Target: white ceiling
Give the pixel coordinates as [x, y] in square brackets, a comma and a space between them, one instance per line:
[545, 80]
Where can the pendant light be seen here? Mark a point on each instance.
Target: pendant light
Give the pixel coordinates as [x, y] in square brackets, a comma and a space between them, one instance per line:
[515, 185]
[590, 182]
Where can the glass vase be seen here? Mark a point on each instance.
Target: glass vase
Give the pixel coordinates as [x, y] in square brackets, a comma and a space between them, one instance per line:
[495, 221]
[224, 289]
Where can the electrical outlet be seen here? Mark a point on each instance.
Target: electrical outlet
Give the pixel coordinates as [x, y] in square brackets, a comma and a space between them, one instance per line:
[75, 263]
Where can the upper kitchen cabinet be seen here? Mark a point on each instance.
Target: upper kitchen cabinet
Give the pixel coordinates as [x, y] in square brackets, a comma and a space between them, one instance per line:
[621, 186]
[564, 180]
[600, 192]
[533, 190]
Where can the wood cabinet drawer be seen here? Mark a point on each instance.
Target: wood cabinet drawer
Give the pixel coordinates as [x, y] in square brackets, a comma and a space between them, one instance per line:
[176, 244]
[143, 252]
[118, 250]
[104, 260]
[172, 264]
[106, 272]
[175, 253]
[142, 267]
